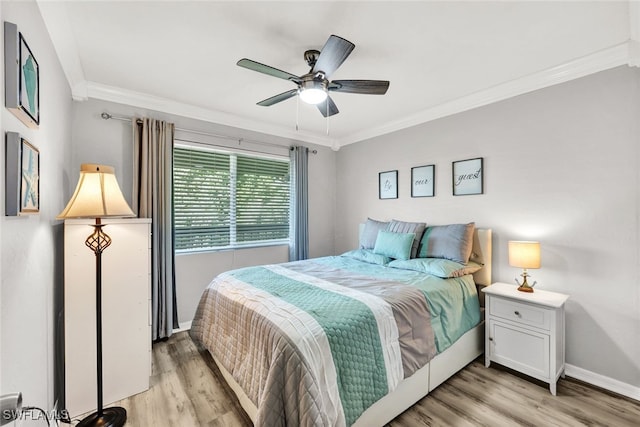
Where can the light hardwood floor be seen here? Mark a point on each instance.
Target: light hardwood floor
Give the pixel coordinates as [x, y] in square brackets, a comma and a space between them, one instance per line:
[187, 390]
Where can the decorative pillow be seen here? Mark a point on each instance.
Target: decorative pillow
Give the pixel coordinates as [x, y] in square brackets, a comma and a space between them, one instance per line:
[452, 242]
[370, 233]
[439, 267]
[367, 256]
[396, 226]
[394, 245]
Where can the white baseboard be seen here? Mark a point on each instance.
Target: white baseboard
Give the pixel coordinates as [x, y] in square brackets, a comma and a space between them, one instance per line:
[184, 326]
[602, 381]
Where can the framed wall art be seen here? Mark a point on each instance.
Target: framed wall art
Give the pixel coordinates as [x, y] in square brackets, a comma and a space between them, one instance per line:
[467, 177]
[422, 181]
[22, 176]
[22, 77]
[388, 185]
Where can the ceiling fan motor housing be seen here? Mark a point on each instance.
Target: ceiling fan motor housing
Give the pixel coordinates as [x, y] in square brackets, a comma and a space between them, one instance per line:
[311, 56]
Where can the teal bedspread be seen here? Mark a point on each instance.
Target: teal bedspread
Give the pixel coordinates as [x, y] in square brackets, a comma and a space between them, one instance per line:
[317, 342]
[453, 302]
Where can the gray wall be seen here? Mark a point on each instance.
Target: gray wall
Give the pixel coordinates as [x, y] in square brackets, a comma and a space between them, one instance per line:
[110, 142]
[31, 247]
[560, 166]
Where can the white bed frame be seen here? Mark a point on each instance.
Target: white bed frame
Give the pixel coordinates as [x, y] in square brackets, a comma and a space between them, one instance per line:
[424, 380]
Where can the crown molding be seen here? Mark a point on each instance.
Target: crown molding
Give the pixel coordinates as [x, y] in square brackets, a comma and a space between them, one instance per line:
[56, 19]
[590, 64]
[634, 33]
[627, 53]
[142, 100]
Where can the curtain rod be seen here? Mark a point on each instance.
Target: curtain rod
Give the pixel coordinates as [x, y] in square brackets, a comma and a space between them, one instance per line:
[107, 116]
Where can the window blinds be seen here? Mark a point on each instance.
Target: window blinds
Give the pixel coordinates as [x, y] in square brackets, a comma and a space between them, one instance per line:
[225, 200]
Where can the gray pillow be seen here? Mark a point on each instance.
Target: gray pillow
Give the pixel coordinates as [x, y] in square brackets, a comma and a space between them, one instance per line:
[370, 233]
[417, 228]
[452, 242]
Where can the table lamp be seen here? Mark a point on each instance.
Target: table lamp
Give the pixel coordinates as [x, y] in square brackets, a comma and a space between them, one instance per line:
[98, 195]
[524, 255]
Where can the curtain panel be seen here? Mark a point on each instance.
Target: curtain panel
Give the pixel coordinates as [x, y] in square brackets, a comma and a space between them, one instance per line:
[299, 232]
[152, 198]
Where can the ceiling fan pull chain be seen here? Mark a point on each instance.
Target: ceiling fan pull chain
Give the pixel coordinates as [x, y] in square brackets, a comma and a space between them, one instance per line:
[327, 104]
[327, 119]
[297, 111]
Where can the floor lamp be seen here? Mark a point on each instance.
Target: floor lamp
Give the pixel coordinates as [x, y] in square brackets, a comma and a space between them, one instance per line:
[98, 196]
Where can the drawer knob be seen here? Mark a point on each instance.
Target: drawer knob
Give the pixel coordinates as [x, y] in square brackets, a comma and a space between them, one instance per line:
[517, 313]
[490, 338]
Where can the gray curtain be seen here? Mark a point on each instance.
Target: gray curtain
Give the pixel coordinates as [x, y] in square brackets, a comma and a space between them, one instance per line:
[299, 246]
[152, 198]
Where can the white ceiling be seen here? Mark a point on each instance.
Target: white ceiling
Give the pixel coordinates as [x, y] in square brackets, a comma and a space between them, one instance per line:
[440, 57]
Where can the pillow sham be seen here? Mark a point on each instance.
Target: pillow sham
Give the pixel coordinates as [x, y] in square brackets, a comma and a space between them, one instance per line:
[453, 242]
[367, 256]
[439, 267]
[394, 245]
[370, 233]
[418, 228]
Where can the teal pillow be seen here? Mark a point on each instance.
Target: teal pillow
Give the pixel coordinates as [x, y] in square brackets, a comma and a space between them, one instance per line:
[394, 245]
[408, 227]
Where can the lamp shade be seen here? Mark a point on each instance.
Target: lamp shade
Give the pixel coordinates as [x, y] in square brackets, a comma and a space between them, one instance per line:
[524, 254]
[97, 195]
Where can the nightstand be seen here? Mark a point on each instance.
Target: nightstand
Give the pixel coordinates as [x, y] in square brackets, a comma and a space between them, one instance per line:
[525, 331]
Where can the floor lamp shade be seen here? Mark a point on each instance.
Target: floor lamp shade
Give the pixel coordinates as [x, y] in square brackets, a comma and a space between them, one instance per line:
[98, 196]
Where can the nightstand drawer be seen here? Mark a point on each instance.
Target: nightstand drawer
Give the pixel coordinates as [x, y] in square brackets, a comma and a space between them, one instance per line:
[520, 312]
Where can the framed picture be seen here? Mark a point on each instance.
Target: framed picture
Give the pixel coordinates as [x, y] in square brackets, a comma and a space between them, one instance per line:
[388, 185]
[422, 181]
[22, 193]
[22, 77]
[467, 177]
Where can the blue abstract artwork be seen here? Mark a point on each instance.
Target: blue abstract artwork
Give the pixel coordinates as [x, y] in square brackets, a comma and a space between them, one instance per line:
[29, 82]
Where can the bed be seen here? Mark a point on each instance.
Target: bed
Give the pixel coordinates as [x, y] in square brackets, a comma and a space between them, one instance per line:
[354, 339]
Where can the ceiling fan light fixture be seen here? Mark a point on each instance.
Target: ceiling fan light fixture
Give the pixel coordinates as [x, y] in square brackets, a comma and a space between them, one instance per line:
[313, 91]
[313, 95]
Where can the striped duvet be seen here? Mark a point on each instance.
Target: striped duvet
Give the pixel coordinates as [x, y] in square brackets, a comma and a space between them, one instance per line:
[316, 342]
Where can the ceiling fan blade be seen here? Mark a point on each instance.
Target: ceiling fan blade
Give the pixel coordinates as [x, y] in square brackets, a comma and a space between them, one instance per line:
[367, 87]
[267, 69]
[278, 98]
[332, 55]
[328, 107]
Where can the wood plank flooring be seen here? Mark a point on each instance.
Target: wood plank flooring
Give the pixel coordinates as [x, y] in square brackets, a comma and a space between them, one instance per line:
[187, 390]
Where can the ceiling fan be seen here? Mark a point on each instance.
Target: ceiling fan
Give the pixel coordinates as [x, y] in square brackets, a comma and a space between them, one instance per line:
[314, 86]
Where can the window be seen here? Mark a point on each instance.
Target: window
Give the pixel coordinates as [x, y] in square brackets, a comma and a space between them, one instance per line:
[224, 200]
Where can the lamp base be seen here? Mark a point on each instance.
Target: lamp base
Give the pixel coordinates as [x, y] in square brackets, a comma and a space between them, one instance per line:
[524, 286]
[111, 417]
